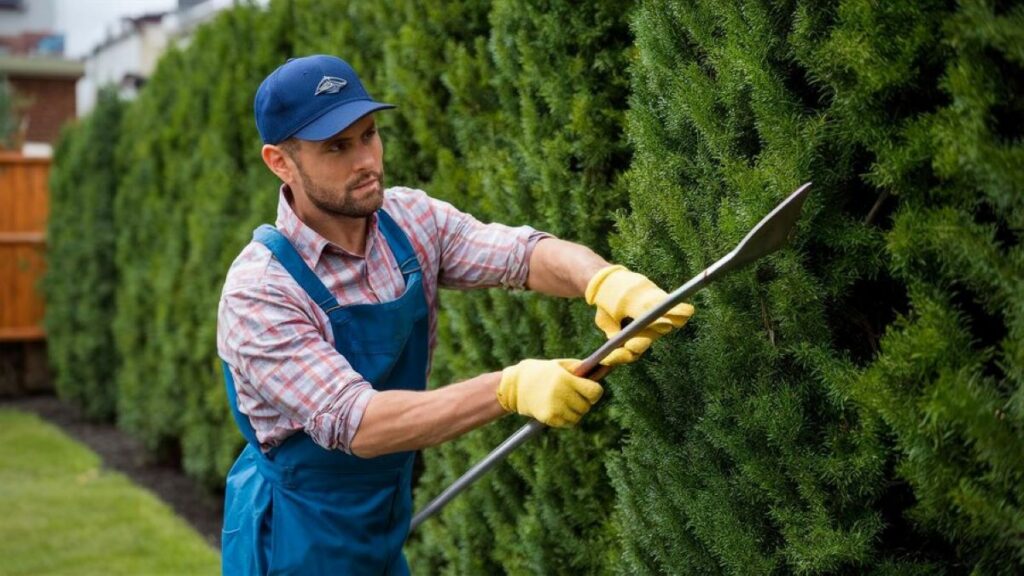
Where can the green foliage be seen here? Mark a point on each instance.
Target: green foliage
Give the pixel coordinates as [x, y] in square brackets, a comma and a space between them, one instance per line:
[535, 109]
[950, 379]
[81, 278]
[192, 190]
[8, 116]
[739, 459]
[852, 404]
[12, 110]
[784, 433]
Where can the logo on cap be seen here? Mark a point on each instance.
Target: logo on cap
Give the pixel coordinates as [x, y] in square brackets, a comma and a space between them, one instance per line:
[330, 85]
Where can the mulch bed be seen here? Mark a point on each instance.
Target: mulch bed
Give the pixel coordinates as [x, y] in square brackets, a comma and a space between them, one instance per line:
[126, 455]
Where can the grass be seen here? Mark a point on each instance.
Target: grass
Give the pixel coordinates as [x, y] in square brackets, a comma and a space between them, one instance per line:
[62, 513]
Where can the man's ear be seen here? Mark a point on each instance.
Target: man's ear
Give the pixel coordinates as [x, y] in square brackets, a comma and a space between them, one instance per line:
[279, 162]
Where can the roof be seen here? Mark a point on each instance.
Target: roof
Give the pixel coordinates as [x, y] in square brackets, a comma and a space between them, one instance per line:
[39, 67]
[131, 27]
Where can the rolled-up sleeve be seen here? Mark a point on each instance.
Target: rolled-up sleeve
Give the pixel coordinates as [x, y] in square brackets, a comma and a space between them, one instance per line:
[478, 255]
[286, 371]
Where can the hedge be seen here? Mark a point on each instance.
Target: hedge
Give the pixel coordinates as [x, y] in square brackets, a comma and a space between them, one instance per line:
[81, 279]
[849, 405]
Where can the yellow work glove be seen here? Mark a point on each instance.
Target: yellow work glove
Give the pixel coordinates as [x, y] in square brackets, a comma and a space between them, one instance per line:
[548, 391]
[620, 294]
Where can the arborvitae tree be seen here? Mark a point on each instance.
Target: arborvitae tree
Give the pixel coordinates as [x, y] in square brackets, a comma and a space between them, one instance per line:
[193, 190]
[739, 459]
[942, 111]
[150, 211]
[230, 184]
[537, 114]
[783, 433]
[80, 278]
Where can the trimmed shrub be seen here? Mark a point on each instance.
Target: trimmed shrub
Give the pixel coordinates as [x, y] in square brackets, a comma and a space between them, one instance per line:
[536, 110]
[949, 381]
[193, 189]
[847, 405]
[81, 279]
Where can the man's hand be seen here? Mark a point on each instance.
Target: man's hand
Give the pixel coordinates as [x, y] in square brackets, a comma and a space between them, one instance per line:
[619, 294]
[548, 391]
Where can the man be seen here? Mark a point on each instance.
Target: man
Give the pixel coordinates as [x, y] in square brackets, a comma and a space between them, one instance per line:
[326, 324]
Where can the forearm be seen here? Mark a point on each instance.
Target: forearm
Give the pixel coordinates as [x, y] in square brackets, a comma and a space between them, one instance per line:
[561, 268]
[401, 420]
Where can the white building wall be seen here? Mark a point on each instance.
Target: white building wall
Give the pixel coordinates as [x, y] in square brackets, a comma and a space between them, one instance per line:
[153, 43]
[137, 52]
[133, 54]
[181, 24]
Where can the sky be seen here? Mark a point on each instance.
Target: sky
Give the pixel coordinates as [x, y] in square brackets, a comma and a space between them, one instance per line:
[85, 22]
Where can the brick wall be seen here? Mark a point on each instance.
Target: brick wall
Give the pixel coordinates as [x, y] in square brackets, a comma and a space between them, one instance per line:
[51, 103]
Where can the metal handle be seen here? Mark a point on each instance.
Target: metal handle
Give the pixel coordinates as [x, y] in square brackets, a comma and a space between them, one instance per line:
[533, 427]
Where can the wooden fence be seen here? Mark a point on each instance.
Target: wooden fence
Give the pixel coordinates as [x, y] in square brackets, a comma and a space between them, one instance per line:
[24, 205]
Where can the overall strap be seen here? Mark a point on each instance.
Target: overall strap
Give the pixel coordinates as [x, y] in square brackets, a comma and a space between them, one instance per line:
[243, 423]
[285, 253]
[400, 245]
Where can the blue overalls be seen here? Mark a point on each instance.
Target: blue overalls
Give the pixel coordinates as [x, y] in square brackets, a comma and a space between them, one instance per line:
[302, 509]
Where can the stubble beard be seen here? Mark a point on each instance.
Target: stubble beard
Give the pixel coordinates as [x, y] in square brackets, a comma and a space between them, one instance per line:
[343, 202]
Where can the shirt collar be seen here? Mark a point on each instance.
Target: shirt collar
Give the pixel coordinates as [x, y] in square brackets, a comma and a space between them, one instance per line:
[307, 242]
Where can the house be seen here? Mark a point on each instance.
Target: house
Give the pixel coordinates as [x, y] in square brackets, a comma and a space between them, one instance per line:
[41, 79]
[128, 56]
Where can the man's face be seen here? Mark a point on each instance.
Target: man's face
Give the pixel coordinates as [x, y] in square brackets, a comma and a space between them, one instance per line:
[344, 175]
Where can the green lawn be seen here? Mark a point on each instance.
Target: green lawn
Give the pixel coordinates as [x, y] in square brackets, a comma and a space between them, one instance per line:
[61, 513]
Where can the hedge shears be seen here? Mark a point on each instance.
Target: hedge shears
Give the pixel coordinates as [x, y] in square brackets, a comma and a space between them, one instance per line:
[770, 234]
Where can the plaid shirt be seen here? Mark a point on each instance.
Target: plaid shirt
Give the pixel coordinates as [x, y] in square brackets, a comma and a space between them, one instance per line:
[279, 343]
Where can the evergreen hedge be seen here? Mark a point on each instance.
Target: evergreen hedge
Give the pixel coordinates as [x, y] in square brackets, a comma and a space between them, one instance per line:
[81, 279]
[190, 194]
[949, 383]
[849, 405]
[537, 118]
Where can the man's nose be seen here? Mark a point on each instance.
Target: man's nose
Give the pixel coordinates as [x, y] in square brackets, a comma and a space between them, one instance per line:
[366, 159]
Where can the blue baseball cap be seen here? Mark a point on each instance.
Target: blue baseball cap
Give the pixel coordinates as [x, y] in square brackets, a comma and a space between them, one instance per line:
[311, 98]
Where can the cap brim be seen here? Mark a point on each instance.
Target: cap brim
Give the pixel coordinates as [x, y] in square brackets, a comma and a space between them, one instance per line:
[338, 119]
